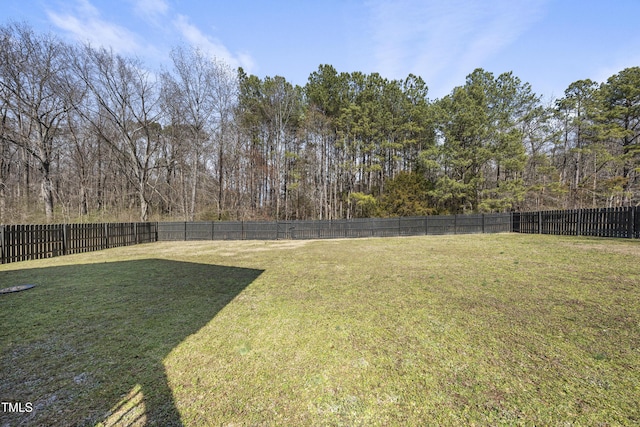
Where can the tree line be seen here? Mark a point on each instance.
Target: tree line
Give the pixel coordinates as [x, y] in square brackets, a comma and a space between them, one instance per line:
[89, 134]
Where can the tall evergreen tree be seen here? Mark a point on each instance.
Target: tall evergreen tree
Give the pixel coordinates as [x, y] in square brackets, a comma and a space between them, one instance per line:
[621, 97]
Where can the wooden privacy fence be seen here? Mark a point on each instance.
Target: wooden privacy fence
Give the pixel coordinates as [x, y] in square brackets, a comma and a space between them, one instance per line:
[25, 242]
[319, 229]
[605, 222]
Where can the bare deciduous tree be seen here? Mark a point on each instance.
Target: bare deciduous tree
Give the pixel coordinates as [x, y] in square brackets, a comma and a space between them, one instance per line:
[199, 97]
[124, 112]
[32, 70]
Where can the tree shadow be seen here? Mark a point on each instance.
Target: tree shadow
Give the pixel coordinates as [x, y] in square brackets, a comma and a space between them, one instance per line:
[86, 345]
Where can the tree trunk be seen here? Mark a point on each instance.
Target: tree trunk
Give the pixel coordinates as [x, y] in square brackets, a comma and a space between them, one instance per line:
[84, 207]
[47, 194]
[3, 202]
[220, 176]
[194, 190]
[144, 208]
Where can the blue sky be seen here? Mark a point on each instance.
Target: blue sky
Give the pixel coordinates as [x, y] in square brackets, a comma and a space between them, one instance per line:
[548, 43]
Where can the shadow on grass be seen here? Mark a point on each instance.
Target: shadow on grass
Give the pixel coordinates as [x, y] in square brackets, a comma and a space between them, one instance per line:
[86, 345]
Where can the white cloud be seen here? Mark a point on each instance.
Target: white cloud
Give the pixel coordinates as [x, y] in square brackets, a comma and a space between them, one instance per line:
[246, 61]
[82, 21]
[212, 46]
[85, 25]
[445, 41]
[150, 10]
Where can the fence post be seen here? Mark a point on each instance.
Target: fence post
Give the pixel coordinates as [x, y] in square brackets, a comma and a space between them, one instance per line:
[65, 239]
[2, 252]
[631, 222]
[539, 222]
[483, 232]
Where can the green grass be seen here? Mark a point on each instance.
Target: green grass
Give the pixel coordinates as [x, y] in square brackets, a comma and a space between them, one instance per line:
[437, 330]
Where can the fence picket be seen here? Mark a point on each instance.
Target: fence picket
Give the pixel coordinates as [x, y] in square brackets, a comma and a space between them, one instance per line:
[2, 245]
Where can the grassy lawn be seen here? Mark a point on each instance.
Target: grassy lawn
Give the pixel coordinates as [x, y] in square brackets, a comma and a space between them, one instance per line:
[436, 330]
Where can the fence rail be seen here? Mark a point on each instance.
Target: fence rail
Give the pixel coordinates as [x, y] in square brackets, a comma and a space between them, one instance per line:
[25, 242]
[366, 227]
[604, 222]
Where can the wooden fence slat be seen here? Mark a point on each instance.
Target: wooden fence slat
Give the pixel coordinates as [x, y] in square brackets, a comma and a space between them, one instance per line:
[2, 245]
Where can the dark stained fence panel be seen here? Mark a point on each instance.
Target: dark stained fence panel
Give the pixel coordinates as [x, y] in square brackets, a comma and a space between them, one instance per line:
[441, 224]
[259, 230]
[233, 230]
[26, 242]
[310, 230]
[412, 226]
[339, 229]
[199, 231]
[468, 224]
[168, 231]
[335, 229]
[147, 232]
[497, 223]
[621, 222]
